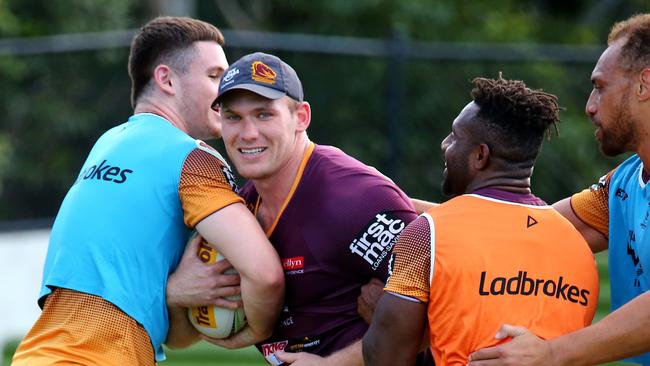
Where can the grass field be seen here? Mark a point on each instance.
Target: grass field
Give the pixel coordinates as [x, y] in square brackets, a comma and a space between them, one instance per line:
[207, 355]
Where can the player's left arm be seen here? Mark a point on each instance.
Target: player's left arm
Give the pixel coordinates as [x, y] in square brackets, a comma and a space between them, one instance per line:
[181, 333]
[395, 333]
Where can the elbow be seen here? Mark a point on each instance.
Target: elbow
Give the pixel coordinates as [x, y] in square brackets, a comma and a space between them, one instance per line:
[180, 342]
[275, 282]
[270, 281]
[265, 333]
[176, 345]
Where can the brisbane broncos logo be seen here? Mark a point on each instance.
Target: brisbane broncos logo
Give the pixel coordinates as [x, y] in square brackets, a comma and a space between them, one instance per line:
[263, 73]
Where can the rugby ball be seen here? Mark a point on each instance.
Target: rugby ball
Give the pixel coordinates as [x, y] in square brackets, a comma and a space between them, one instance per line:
[213, 321]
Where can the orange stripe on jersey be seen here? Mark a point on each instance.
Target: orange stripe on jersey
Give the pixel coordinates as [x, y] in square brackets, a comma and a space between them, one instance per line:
[294, 185]
[494, 262]
[204, 187]
[82, 329]
[592, 205]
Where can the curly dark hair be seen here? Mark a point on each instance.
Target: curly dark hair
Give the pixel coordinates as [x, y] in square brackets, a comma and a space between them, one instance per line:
[635, 54]
[516, 117]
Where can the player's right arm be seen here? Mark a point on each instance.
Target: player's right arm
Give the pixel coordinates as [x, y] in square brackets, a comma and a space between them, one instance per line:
[212, 207]
[588, 211]
[395, 334]
[235, 233]
[597, 240]
[396, 331]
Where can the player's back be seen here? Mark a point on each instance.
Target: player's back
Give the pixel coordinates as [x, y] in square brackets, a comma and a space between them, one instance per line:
[500, 262]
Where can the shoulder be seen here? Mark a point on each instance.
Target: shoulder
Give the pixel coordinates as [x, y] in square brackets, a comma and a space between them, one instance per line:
[202, 160]
[419, 230]
[332, 165]
[627, 169]
[347, 191]
[209, 150]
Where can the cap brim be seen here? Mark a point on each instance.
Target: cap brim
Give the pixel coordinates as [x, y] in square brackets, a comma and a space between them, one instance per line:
[264, 91]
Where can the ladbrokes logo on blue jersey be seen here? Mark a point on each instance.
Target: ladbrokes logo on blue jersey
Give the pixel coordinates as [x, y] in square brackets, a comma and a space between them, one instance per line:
[521, 284]
[104, 171]
[378, 238]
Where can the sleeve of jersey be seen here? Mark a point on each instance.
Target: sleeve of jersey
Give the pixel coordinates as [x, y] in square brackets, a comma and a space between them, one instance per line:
[380, 216]
[410, 264]
[591, 205]
[204, 187]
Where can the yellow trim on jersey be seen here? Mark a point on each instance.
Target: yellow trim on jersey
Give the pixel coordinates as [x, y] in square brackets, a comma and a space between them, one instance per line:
[294, 186]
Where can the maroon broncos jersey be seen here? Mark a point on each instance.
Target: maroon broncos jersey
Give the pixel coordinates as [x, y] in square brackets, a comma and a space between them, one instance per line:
[335, 233]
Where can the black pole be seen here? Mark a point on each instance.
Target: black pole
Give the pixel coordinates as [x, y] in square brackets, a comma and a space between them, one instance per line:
[395, 97]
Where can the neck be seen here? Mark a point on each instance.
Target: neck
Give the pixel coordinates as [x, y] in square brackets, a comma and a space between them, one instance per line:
[162, 110]
[515, 179]
[644, 153]
[642, 133]
[274, 189]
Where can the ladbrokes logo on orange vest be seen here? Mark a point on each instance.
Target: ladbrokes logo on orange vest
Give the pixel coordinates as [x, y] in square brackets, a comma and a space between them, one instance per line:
[521, 284]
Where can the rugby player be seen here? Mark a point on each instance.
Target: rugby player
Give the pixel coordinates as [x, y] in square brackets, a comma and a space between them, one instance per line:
[611, 215]
[332, 219]
[494, 251]
[122, 227]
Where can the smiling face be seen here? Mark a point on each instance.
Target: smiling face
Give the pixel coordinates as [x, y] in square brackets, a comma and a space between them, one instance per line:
[456, 149]
[608, 106]
[262, 136]
[199, 85]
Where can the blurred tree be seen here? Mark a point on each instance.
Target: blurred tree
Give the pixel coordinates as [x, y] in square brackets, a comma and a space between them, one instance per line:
[55, 105]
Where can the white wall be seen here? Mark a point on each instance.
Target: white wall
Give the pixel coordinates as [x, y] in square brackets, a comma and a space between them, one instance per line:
[22, 254]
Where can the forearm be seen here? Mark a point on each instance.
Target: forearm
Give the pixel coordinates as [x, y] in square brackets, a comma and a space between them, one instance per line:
[395, 333]
[246, 247]
[181, 333]
[422, 206]
[379, 350]
[623, 333]
[262, 304]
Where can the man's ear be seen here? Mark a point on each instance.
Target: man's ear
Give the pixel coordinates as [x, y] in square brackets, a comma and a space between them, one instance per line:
[303, 114]
[480, 156]
[162, 76]
[644, 85]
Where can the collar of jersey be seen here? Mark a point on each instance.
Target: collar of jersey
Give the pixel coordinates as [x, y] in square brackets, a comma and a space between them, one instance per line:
[294, 186]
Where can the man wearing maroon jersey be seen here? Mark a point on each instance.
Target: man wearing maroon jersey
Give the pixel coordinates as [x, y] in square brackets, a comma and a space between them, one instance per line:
[332, 219]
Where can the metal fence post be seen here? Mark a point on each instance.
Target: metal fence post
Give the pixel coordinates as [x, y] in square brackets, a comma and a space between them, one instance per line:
[395, 100]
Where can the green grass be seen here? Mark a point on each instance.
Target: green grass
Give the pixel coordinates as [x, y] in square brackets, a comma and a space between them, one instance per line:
[201, 354]
[204, 354]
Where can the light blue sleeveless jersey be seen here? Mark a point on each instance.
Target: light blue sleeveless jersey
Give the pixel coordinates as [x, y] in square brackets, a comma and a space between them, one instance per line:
[120, 230]
[629, 247]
